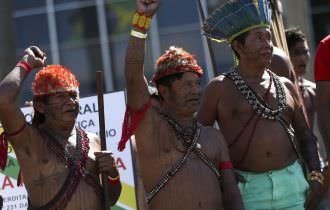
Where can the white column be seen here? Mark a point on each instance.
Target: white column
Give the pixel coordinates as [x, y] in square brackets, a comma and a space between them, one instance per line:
[155, 43]
[106, 59]
[207, 55]
[52, 31]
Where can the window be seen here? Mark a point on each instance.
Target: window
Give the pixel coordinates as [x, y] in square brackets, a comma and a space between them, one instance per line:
[176, 13]
[320, 17]
[79, 45]
[77, 25]
[28, 4]
[321, 25]
[319, 3]
[32, 30]
[83, 61]
[70, 1]
[119, 17]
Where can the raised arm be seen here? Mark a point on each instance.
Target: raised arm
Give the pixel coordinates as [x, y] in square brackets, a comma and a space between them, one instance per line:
[136, 84]
[11, 116]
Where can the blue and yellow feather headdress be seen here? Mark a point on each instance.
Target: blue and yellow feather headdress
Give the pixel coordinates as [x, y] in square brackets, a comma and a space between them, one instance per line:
[236, 17]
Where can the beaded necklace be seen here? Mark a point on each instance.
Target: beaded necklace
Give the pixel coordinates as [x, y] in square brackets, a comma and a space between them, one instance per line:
[256, 102]
[76, 162]
[261, 108]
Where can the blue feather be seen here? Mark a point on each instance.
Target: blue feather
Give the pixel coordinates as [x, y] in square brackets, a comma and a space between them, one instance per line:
[234, 17]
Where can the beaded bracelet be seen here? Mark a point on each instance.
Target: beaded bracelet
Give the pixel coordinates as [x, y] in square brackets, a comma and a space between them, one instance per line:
[138, 34]
[25, 66]
[141, 21]
[316, 176]
[225, 165]
[114, 180]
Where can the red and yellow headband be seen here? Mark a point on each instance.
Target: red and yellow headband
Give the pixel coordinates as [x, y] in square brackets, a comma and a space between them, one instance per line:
[175, 60]
[54, 79]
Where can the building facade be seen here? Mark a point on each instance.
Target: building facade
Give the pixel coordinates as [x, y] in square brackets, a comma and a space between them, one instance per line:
[91, 35]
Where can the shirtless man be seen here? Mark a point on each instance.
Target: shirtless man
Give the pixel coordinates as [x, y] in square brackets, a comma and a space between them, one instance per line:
[168, 138]
[255, 110]
[299, 56]
[60, 163]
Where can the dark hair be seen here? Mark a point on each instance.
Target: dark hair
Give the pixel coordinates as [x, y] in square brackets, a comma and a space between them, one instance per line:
[167, 81]
[293, 36]
[241, 40]
[38, 117]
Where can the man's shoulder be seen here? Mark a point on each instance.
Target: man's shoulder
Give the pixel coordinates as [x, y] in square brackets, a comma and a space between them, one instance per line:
[210, 130]
[286, 81]
[219, 81]
[93, 137]
[309, 84]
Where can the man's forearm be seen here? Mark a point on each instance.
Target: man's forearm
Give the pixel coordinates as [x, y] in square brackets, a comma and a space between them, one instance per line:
[309, 150]
[134, 58]
[10, 86]
[114, 192]
[231, 196]
[136, 85]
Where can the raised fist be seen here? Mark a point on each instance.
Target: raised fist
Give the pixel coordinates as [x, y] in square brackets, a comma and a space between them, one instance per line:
[34, 57]
[147, 7]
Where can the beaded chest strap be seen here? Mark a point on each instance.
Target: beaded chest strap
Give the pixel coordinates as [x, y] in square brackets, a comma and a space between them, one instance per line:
[191, 146]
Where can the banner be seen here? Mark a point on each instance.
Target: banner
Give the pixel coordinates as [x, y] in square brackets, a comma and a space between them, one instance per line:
[114, 108]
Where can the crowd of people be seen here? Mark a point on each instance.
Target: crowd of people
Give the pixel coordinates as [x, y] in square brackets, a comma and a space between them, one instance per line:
[245, 142]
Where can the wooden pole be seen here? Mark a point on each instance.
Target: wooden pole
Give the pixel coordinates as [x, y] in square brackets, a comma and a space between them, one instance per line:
[100, 91]
[278, 26]
[209, 44]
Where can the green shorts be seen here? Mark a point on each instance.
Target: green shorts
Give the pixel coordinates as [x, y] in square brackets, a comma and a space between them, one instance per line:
[279, 189]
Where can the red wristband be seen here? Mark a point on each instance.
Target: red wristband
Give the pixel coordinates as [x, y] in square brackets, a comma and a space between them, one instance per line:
[25, 66]
[225, 165]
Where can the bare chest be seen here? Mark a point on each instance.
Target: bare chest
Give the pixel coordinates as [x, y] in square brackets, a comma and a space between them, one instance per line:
[173, 151]
[234, 106]
[52, 168]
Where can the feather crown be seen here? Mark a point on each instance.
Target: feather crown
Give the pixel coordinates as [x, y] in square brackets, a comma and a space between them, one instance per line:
[236, 17]
[54, 79]
[175, 60]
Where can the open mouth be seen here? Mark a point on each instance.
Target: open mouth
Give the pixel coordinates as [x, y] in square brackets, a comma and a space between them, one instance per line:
[71, 111]
[194, 100]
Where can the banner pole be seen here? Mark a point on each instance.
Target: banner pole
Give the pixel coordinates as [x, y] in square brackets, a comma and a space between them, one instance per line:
[100, 100]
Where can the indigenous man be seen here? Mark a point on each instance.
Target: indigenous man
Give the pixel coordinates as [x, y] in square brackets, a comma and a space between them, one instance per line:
[60, 162]
[299, 56]
[178, 157]
[256, 111]
[322, 78]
